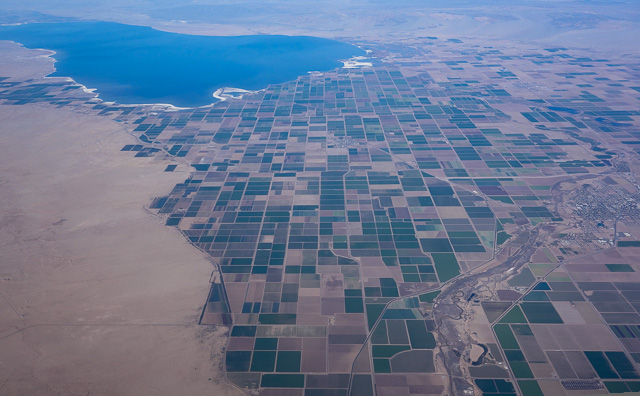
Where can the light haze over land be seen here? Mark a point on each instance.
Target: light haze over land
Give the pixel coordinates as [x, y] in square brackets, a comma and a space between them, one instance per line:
[604, 25]
[454, 212]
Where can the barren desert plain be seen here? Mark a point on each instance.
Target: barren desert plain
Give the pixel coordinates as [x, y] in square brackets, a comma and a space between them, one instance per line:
[454, 211]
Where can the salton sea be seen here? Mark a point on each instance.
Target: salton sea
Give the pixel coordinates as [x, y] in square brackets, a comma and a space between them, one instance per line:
[135, 64]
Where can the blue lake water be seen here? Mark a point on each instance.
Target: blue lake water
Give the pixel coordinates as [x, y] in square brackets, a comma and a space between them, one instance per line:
[135, 64]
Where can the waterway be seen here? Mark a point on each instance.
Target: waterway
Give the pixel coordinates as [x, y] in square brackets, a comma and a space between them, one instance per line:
[135, 64]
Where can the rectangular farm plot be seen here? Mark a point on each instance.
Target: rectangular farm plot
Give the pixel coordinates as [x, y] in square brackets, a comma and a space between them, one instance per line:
[446, 266]
[540, 312]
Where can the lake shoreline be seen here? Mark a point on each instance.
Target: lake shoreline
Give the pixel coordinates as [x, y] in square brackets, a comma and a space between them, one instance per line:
[148, 66]
[78, 293]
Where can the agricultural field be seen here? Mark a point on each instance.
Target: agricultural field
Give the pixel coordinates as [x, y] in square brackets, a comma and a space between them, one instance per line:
[449, 216]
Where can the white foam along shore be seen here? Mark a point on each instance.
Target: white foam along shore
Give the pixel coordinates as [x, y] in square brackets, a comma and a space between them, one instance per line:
[225, 93]
[356, 62]
[47, 53]
[153, 106]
